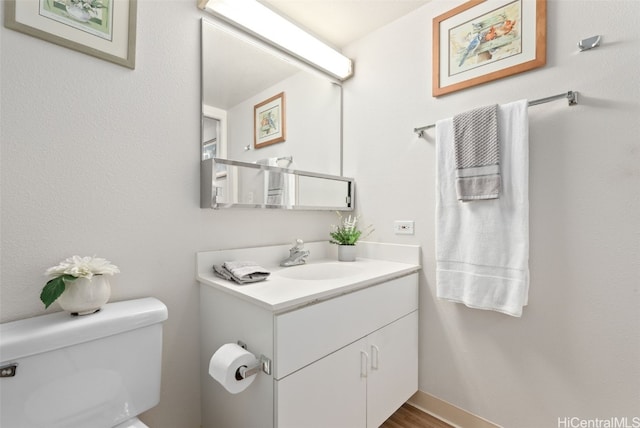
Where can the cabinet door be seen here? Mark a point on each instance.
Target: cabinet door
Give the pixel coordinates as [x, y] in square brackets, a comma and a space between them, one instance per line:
[331, 392]
[393, 375]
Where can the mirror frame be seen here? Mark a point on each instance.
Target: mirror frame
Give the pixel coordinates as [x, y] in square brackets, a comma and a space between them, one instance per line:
[208, 190]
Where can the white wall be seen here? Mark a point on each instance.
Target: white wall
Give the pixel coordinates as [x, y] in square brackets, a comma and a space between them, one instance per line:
[100, 159]
[97, 159]
[576, 349]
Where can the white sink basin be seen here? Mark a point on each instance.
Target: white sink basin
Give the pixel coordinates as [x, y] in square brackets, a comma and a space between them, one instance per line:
[320, 271]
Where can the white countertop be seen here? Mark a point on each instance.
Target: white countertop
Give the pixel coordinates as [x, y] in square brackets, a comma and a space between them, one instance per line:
[282, 291]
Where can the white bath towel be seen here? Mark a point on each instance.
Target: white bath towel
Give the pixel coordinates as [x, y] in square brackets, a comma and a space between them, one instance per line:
[279, 186]
[275, 185]
[482, 248]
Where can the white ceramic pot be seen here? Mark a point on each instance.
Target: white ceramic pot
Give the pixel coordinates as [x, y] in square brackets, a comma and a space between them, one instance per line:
[84, 296]
[347, 253]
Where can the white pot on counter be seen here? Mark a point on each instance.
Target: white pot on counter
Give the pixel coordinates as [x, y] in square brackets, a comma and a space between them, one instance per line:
[347, 253]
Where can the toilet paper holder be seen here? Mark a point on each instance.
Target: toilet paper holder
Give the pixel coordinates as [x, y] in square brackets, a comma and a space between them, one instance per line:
[261, 364]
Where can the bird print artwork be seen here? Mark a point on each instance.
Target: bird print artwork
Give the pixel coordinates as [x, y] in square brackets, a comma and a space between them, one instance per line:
[269, 121]
[267, 124]
[471, 48]
[506, 27]
[485, 39]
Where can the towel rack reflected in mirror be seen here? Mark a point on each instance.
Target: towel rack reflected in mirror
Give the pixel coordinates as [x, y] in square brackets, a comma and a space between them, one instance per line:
[571, 96]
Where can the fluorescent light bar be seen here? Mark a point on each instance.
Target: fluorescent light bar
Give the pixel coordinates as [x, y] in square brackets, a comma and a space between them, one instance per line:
[261, 21]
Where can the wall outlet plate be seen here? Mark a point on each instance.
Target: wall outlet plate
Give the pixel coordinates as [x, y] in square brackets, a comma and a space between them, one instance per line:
[403, 227]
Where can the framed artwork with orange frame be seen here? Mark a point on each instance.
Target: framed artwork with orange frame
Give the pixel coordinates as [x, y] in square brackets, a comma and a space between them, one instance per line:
[270, 125]
[485, 40]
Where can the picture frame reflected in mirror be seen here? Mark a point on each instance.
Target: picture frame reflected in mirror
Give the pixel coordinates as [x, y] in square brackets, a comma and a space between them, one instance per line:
[270, 124]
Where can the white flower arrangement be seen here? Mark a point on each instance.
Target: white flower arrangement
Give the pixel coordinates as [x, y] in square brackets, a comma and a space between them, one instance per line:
[71, 269]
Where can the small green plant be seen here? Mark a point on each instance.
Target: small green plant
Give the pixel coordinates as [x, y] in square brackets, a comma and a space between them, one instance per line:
[71, 269]
[347, 232]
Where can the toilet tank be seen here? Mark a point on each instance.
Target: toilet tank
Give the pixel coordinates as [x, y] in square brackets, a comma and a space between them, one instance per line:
[89, 371]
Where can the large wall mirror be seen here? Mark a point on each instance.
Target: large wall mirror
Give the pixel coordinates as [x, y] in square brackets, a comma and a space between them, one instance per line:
[238, 74]
[250, 90]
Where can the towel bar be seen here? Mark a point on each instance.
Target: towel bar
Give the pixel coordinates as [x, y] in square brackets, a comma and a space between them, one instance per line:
[571, 96]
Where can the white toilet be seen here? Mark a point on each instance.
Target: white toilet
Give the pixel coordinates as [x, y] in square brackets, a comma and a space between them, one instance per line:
[93, 371]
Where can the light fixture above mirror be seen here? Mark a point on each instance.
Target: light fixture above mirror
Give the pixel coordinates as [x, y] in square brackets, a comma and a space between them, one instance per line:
[259, 20]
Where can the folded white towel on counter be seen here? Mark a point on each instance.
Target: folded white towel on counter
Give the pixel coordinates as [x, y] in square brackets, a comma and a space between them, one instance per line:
[242, 272]
[482, 248]
[477, 152]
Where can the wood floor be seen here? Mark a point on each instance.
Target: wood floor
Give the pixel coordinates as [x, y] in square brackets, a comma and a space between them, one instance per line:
[408, 416]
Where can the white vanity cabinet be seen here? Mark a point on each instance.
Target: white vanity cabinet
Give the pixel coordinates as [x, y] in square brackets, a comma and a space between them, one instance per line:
[343, 351]
[349, 361]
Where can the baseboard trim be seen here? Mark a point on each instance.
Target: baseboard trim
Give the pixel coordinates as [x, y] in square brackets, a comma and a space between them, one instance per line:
[447, 412]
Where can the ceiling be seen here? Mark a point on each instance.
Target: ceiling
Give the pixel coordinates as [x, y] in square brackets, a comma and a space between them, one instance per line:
[337, 22]
[340, 22]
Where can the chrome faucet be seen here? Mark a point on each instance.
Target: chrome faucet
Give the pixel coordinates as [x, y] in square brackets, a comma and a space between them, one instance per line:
[297, 255]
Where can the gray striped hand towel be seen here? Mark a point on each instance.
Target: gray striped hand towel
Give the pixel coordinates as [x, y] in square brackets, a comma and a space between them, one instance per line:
[477, 154]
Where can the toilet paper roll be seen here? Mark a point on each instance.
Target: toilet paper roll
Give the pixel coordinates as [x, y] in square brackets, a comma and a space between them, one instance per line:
[224, 364]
